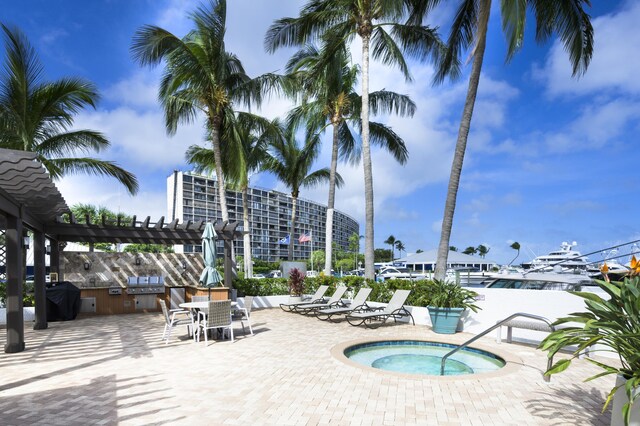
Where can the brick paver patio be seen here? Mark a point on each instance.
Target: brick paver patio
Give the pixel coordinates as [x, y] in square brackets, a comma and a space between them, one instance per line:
[116, 370]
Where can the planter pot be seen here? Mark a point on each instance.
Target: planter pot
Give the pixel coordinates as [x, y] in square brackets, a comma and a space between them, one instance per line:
[445, 320]
[295, 299]
[619, 399]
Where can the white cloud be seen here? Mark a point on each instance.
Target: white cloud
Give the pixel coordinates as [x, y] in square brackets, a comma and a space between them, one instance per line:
[615, 58]
[102, 191]
[140, 90]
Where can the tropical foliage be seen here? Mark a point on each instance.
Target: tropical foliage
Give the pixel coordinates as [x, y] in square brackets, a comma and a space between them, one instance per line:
[200, 75]
[291, 164]
[326, 82]
[296, 282]
[566, 18]
[244, 152]
[444, 294]
[38, 115]
[614, 325]
[377, 24]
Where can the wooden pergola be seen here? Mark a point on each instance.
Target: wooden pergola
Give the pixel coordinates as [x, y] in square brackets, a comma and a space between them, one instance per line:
[30, 200]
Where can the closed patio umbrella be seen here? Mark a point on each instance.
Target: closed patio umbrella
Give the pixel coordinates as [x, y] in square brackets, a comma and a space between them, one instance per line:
[210, 277]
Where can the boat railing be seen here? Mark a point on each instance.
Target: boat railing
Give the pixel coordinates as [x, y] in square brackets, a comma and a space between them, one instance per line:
[490, 329]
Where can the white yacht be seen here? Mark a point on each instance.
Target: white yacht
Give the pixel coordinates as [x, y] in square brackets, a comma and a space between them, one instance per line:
[564, 260]
[615, 270]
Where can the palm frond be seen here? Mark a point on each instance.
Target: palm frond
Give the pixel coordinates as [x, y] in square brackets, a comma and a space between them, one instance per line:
[59, 167]
[69, 143]
[460, 38]
[387, 102]
[385, 49]
[386, 138]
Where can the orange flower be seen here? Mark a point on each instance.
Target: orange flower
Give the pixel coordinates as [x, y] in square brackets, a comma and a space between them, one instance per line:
[635, 266]
[604, 268]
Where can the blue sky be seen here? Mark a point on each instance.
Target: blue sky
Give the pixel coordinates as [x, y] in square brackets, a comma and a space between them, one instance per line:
[549, 158]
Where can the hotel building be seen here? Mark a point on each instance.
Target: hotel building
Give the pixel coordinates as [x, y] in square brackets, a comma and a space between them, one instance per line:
[194, 197]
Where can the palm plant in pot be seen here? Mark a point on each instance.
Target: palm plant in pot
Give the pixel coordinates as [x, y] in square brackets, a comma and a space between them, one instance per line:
[296, 285]
[614, 325]
[447, 301]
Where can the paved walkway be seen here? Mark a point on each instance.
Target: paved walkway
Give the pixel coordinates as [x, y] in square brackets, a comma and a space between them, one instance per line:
[115, 370]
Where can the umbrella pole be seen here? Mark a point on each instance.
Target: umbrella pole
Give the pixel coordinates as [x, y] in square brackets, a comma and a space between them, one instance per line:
[209, 293]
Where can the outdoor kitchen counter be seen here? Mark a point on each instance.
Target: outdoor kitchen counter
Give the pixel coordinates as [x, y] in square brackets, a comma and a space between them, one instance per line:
[101, 300]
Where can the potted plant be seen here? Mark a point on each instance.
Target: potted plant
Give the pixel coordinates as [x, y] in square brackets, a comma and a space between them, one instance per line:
[446, 303]
[296, 285]
[614, 325]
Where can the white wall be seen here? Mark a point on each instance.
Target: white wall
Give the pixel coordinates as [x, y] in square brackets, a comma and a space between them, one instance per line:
[498, 304]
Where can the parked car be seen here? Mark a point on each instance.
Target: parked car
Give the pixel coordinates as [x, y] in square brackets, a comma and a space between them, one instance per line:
[258, 276]
[274, 274]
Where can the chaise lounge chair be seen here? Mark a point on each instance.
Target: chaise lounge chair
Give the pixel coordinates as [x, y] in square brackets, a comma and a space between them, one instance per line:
[358, 304]
[395, 309]
[318, 297]
[336, 300]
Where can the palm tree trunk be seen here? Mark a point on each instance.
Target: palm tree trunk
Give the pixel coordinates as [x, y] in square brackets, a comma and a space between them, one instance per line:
[461, 144]
[248, 263]
[369, 272]
[217, 156]
[292, 228]
[331, 202]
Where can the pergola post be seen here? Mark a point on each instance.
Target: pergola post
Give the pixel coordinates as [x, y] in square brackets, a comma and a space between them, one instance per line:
[15, 274]
[229, 265]
[54, 259]
[39, 280]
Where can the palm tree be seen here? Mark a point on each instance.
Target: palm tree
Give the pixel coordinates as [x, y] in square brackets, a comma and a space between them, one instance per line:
[244, 153]
[515, 246]
[292, 164]
[392, 242]
[327, 83]
[482, 250]
[354, 246]
[36, 116]
[469, 250]
[567, 18]
[453, 248]
[337, 22]
[200, 75]
[400, 247]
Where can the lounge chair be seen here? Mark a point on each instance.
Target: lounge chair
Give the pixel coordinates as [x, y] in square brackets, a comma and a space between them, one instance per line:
[395, 309]
[318, 297]
[336, 300]
[359, 303]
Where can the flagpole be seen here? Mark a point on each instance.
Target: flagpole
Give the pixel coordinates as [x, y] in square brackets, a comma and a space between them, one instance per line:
[311, 254]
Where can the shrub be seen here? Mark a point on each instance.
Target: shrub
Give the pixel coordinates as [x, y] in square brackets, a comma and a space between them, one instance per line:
[296, 282]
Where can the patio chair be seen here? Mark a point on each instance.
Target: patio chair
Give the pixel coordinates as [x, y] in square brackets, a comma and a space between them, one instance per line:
[218, 317]
[318, 297]
[243, 314]
[172, 320]
[359, 303]
[199, 298]
[336, 300]
[395, 309]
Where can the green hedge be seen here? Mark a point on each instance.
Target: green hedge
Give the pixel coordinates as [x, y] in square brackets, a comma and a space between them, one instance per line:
[27, 293]
[380, 292]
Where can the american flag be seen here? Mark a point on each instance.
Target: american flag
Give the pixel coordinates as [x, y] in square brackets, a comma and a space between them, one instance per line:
[304, 238]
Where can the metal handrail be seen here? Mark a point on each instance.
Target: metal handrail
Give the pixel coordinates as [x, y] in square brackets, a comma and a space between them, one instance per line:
[498, 324]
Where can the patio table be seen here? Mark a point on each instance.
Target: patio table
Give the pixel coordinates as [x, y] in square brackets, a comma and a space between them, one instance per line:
[201, 305]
